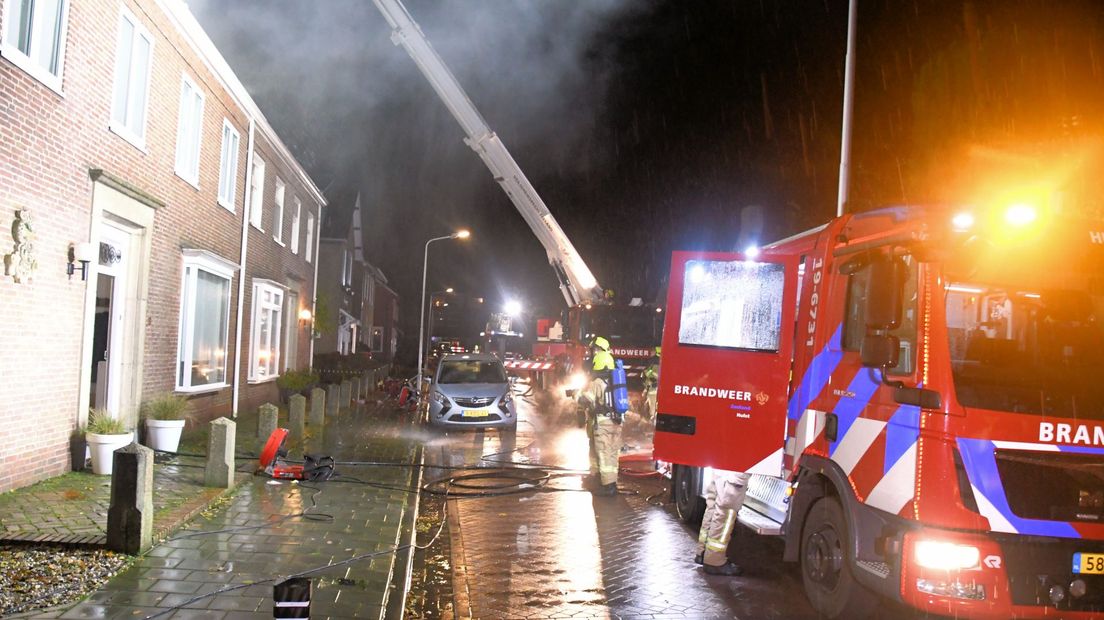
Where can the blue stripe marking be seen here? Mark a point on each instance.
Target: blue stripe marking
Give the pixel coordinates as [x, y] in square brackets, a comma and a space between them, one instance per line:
[863, 386]
[1080, 450]
[979, 458]
[901, 433]
[816, 376]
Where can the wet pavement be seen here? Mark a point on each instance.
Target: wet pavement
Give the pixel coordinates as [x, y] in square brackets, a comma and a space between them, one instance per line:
[562, 553]
[348, 534]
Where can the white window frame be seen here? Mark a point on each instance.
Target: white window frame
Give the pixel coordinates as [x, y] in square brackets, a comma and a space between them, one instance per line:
[189, 130]
[256, 194]
[9, 47]
[121, 126]
[309, 254]
[347, 268]
[217, 266]
[278, 211]
[275, 333]
[295, 214]
[228, 166]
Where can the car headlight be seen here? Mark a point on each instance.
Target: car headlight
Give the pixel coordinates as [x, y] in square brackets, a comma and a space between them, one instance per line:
[440, 398]
[940, 555]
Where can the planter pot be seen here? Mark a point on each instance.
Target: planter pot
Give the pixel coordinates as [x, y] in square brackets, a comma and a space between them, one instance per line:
[78, 451]
[103, 448]
[164, 435]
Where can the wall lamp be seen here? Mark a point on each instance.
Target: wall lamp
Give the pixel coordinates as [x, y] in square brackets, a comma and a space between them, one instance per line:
[80, 253]
[305, 316]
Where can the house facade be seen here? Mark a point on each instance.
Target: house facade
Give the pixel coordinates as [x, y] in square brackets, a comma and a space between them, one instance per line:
[361, 310]
[162, 237]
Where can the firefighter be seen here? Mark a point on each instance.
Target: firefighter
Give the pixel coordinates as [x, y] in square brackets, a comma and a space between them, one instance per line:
[603, 422]
[723, 499]
[651, 387]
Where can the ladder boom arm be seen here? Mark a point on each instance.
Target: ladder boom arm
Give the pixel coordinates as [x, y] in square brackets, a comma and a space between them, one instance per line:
[576, 281]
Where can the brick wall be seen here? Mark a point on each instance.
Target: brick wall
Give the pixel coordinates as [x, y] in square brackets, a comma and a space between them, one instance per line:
[50, 143]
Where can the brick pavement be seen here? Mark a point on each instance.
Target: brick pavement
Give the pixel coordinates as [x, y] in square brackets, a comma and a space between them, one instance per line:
[365, 520]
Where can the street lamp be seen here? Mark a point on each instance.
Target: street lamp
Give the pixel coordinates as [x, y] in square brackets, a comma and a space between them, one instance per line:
[460, 234]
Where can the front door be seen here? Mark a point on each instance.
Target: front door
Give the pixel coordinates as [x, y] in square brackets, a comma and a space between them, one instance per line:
[108, 339]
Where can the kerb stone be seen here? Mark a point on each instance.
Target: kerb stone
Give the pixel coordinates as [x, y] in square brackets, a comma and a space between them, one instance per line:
[318, 406]
[333, 397]
[266, 421]
[221, 444]
[346, 394]
[130, 515]
[297, 413]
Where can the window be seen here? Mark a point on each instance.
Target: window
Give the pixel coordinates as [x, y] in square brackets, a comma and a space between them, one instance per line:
[854, 322]
[310, 238]
[295, 211]
[734, 304]
[377, 339]
[133, 57]
[268, 310]
[347, 269]
[34, 38]
[278, 212]
[228, 165]
[204, 321]
[189, 129]
[256, 193]
[291, 334]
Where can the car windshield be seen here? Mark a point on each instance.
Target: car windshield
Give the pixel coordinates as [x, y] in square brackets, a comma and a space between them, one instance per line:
[471, 371]
[1027, 336]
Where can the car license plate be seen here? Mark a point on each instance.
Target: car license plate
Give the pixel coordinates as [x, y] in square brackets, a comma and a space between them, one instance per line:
[1088, 563]
[482, 413]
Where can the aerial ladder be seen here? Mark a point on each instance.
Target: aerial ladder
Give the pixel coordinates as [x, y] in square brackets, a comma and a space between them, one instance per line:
[577, 284]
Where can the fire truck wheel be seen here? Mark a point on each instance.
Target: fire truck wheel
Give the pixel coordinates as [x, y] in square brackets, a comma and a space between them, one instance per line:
[687, 483]
[825, 571]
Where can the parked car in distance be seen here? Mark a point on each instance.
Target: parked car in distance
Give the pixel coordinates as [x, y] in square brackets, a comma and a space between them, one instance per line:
[471, 391]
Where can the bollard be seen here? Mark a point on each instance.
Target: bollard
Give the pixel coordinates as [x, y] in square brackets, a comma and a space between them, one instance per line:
[221, 443]
[333, 397]
[266, 421]
[346, 394]
[366, 384]
[297, 413]
[356, 390]
[130, 515]
[318, 407]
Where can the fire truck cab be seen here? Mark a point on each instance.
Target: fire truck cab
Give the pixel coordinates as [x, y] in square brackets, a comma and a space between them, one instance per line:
[919, 394]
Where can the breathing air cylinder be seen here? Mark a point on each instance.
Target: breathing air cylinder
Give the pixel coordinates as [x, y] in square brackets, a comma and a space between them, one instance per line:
[620, 388]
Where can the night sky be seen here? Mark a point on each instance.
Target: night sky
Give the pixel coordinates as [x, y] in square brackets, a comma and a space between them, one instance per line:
[649, 126]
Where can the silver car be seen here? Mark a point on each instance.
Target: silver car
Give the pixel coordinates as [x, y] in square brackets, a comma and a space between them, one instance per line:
[471, 390]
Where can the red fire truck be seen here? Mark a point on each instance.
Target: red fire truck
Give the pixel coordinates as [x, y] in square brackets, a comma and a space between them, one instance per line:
[919, 393]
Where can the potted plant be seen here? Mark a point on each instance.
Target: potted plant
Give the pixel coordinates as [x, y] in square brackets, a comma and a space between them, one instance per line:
[105, 434]
[165, 417]
[296, 382]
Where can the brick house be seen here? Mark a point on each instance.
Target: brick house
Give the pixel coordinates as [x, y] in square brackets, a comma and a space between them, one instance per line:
[362, 310]
[158, 222]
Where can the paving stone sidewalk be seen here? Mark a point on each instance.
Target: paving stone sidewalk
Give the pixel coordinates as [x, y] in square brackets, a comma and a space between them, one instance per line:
[271, 529]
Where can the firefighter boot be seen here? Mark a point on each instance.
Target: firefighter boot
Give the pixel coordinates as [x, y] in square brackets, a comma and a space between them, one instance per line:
[700, 558]
[607, 490]
[728, 569]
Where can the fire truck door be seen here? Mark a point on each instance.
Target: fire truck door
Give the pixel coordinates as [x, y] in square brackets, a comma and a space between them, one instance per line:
[727, 351]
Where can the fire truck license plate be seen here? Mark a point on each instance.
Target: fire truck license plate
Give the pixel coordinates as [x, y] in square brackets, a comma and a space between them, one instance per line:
[1090, 563]
[482, 413]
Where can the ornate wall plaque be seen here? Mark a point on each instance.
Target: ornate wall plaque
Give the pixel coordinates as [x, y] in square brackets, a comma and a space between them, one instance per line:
[23, 261]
